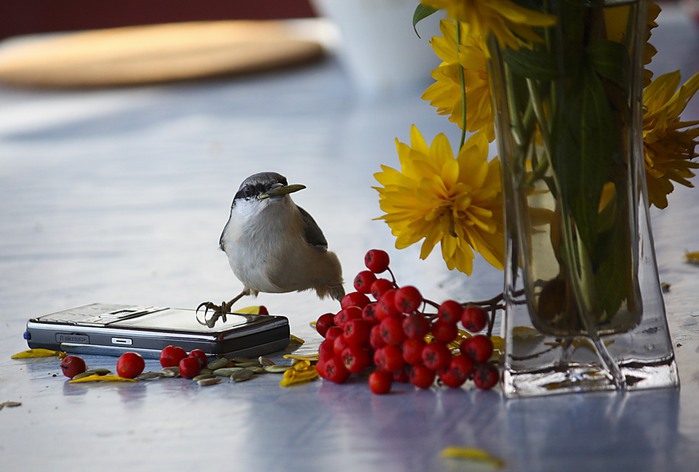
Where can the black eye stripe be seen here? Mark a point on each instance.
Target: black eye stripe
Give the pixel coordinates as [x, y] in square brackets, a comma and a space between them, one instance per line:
[250, 191]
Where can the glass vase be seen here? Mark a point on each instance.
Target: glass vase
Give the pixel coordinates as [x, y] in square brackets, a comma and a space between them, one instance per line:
[584, 305]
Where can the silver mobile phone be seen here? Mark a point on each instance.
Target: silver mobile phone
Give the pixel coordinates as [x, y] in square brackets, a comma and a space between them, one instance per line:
[110, 329]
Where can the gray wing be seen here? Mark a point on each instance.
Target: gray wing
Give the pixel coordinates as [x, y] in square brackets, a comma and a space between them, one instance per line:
[311, 232]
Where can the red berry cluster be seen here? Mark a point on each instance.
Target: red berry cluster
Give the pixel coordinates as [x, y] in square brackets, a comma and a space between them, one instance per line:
[383, 328]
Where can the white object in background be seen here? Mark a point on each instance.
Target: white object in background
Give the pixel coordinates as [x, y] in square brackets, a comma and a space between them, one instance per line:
[378, 45]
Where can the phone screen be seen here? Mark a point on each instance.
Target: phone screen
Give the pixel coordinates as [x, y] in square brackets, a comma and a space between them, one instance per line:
[183, 321]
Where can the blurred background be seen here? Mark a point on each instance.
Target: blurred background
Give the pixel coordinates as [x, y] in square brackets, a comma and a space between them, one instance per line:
[19, 17]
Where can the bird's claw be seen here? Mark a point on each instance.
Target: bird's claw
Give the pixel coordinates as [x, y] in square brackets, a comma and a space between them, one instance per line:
[217, 311]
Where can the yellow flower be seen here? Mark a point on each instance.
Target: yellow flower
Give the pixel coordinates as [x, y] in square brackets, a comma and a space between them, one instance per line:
[446, 93]
[510, 23]
[440, 198]
[615, 22]
[669, 143]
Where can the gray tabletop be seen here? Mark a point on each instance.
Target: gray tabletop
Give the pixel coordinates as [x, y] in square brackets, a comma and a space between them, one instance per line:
[120, 196]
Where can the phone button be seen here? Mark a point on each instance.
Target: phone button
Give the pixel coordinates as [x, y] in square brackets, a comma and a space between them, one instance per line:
[122, 341]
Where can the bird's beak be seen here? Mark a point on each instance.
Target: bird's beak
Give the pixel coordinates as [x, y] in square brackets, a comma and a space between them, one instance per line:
[281, 191]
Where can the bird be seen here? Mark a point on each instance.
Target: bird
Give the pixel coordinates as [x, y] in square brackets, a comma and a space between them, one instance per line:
[275, 246]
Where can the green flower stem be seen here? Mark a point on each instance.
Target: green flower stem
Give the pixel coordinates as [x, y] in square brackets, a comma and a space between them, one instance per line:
[463, 85]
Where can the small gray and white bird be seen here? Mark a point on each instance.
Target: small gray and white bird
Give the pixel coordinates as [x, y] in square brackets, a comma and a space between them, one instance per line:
[275, 246]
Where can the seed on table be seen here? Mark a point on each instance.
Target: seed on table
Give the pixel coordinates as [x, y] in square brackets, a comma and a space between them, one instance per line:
[170, 372]
[218, 363]
[258, 369]
[87, 373]
[226, 371]
[100, 371]
[208, 381]
[242, 375]
[276, 369]
[203, 376]
[149, 375]
[265, 361]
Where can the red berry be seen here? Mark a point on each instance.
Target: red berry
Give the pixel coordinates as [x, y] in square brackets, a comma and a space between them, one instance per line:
[412, 351]
[416, 326]
[325, 350]
[334, 370]
[171, 356]
[332, 333]
[392, 330]
[339, 345]
[72, 366]
[130, 365]
[401, 375]
[354, 299]
[356, 358]
[380, 382]
[376, 260]
[389, 358]
[450, 311]
[444, 332]
[375, 339]
[262, 310]
[199, 354]
[486, 376]
[369, 313]
[324, 322]
[478, 347]
[463, 365]
[189, 367]
[346, 314]
[474, 318]
[387, 305]
[421, 376]
[436, 356]
[408, 299]
[357, 332]
[381, 286]
[458, 371]
[363, 280]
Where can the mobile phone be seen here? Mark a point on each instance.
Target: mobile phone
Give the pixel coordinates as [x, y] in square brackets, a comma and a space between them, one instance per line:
[109, 329]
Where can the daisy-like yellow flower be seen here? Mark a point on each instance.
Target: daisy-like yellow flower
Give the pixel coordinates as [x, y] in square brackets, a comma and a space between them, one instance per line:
[441, 198]
[616, 24]
[446, 94]
[511, 24]
[669, 143]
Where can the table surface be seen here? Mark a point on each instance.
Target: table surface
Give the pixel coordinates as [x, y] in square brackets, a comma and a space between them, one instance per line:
[120, 196]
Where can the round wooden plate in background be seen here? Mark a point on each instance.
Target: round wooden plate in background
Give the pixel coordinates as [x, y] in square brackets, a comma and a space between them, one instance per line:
[155, 53]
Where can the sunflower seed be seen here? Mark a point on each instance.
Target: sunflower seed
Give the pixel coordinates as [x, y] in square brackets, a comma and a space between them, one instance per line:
[218, 363]
[208, 381]
[101, 371]
[203, 376]
[265, 361]
[247, 364]
[242, 375]
[276, 369]
[170, 372]
[149, 375]
[87, 373]
[10, 404]
[258, 369]
[226, 371]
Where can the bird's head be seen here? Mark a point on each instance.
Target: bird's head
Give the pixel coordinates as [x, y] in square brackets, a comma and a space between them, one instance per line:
[264, 187]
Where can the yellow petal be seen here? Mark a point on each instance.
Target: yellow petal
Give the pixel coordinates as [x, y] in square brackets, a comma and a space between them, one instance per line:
[692, 257]
[38, 352]
[302, 357]
[472, 454]
[102, 378]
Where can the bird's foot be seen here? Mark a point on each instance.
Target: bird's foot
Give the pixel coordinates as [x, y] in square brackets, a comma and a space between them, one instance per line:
[213, 312]
[217, 311]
